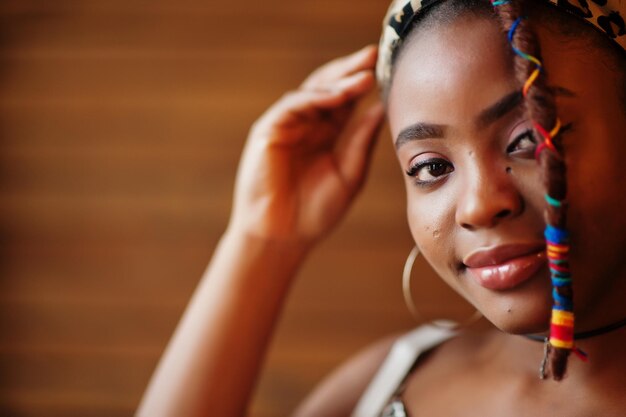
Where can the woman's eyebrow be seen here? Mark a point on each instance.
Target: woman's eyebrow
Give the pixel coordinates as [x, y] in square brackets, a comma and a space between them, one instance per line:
[419, 131]
[499, 109]
[489, 115]
[510, 102]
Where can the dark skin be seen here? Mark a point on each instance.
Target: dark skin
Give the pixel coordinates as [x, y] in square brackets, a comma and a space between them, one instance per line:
[485, 191]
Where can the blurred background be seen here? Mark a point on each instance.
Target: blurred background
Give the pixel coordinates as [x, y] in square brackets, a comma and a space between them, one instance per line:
[121, 124]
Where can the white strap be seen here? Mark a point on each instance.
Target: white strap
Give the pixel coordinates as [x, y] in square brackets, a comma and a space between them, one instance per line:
[396, 366]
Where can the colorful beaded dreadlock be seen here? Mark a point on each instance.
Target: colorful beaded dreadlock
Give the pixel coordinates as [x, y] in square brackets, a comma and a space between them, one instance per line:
[541, 109]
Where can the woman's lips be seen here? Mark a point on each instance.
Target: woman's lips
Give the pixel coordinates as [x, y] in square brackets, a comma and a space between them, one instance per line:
[507, 266]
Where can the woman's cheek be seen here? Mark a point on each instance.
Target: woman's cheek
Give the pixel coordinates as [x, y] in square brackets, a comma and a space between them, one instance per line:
[427, 223]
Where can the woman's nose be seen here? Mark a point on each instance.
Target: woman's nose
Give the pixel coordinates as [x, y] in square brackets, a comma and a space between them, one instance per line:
[487, 200]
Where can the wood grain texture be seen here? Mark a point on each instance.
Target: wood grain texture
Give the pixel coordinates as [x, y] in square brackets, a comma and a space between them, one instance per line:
[121, 123]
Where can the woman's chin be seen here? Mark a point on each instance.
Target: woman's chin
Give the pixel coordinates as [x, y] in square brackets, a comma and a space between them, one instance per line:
[523, 326]
[521, 315]
[523, 309]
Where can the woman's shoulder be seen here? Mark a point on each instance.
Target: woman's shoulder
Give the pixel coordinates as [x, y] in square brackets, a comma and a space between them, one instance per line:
[373, 374]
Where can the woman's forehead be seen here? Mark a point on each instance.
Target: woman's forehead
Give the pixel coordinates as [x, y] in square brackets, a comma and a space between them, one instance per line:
[442, 76]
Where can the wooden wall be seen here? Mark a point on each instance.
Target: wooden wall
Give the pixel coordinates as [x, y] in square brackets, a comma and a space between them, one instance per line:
[121, 122]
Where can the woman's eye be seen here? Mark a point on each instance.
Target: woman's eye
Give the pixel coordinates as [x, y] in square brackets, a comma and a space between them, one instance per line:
[429, 171]
[523, 145]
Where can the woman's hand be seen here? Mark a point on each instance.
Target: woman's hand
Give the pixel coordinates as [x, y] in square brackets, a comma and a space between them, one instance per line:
[306, 159]
[301, 168]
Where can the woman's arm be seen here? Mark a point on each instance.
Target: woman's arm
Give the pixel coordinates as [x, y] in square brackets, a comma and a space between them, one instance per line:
[211, 363]
[302, 167]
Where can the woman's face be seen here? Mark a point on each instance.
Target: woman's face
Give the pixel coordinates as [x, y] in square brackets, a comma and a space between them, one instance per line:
[474, 195]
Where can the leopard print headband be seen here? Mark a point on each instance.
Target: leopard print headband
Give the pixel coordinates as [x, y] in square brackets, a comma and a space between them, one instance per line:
[606, 15]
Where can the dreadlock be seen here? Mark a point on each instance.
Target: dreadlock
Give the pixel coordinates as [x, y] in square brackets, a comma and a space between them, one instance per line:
[541, 109]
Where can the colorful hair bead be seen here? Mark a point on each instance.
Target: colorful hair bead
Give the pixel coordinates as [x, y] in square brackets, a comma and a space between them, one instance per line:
[553, 201]
[556, 235]
[562, 320]
[547, 137]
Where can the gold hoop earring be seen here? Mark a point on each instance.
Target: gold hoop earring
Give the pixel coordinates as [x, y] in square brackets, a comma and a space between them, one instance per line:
[408, 299]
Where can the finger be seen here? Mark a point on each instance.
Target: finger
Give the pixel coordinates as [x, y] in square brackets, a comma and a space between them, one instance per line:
[355, 85]
[305, 104]
[341, 67]
[298, 108]
[354, 157]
